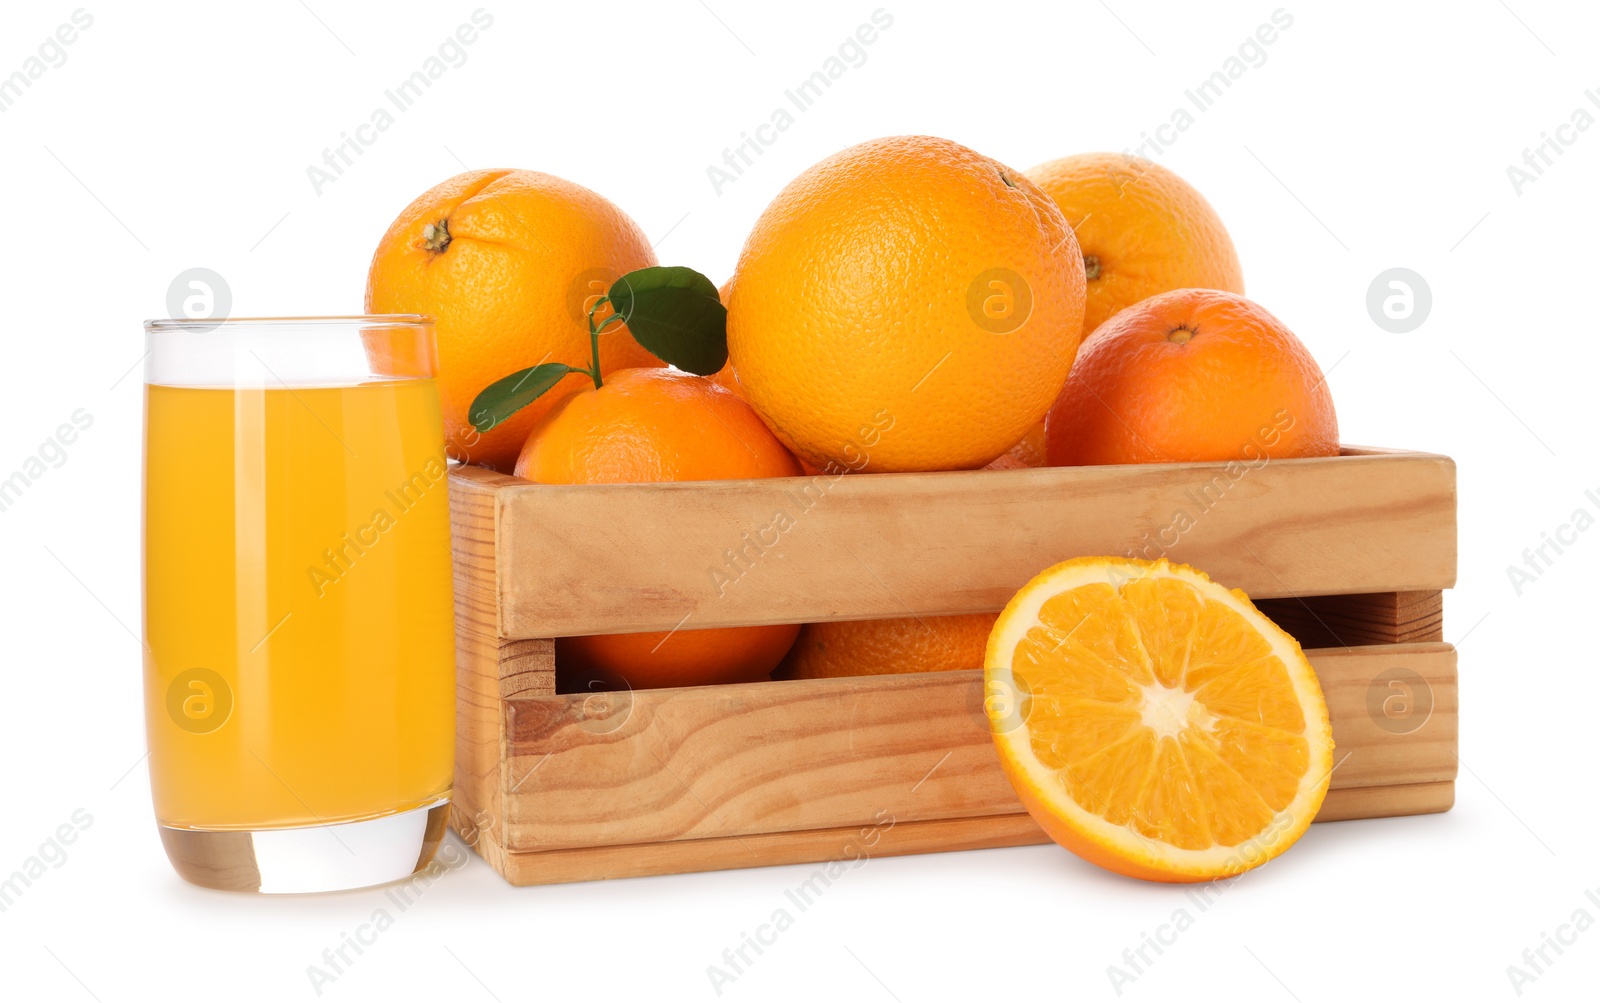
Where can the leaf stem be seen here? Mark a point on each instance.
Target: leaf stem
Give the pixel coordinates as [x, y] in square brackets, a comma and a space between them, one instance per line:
[594, 338]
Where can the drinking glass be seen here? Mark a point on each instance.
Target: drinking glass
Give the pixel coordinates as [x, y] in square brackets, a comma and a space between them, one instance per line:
[298, 620]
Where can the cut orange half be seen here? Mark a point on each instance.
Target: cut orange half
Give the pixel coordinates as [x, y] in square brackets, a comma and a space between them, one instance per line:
[1154, 722]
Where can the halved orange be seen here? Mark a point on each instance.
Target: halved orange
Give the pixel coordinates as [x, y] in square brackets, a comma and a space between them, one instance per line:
[1154, 722]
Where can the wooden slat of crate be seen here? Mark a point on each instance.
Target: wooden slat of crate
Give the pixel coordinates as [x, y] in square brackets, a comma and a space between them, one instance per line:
[850, 844]
[703, 762]
[576, 558]
[480, 744]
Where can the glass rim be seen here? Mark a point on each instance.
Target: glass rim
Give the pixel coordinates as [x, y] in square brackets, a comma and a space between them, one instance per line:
[366, 321]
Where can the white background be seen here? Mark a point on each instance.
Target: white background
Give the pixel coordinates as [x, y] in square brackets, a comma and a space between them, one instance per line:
[1375, 135]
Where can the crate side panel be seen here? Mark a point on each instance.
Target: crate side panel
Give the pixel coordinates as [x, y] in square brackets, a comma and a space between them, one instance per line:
[849, 847]
[845, 848]
[476, 810]
[591, 769]
[619, 558]
[1394, 711]
[720, 761]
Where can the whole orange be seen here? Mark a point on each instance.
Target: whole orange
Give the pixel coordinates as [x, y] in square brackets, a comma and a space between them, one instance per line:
[1193, 374]
[906, 304]
[507, 263]
[726, 376]
[1142, 229]
[661, 425]
[881, 647]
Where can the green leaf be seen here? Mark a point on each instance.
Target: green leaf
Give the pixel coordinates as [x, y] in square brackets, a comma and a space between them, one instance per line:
[505, 397]
[668, 277]
[675, 314]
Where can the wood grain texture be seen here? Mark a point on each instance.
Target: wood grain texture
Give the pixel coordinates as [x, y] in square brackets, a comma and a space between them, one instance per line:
[1394, 711]
[851, 846]
[847, 845]
[706, 762]
[527, 668]
[573, 787]
[1346, 621]
[1388, 802]
[480, 710]
[791, 550]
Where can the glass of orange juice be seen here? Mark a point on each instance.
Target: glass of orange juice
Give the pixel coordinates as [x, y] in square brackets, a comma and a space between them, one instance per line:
[298, 622]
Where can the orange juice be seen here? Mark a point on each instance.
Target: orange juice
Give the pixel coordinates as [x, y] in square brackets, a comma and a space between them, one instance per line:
[298, 611]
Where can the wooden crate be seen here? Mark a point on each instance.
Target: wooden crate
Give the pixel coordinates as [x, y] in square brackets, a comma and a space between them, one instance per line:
[1348, 553]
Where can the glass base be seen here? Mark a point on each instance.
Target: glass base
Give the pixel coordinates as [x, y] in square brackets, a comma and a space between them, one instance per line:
[313, 858]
